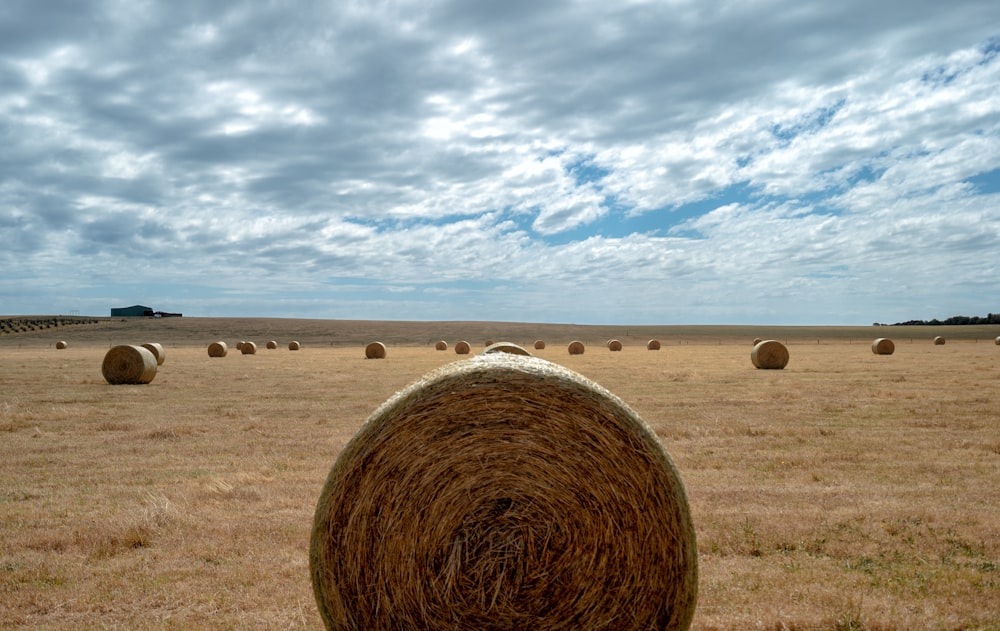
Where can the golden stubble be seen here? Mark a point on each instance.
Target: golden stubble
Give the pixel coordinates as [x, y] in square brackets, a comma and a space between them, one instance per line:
[847, 491]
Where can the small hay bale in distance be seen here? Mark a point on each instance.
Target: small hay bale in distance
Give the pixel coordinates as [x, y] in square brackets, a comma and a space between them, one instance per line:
[294, 346]
[576, 347]
[769, 354]
[248, 348]
[757, 340]
[128, 364]
[157, 350]
[272, 345]
[614, 345]
[441, 345]
[217, 349]
[61, 344]
[533, 490]
[488, 343]
[375, 350]
[997, 341]
[507, 347]
[462, 348]
[883, 346]
[540, 344]
[239, 345]
[939, 341]
[653, 345]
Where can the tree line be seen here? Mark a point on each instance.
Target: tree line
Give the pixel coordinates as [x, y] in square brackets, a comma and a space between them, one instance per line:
[990, 318]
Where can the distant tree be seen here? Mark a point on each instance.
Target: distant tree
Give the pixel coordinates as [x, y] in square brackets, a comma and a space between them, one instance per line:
[991, 318]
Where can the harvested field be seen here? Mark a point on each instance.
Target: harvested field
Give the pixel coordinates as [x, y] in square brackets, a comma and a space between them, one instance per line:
[843, 492]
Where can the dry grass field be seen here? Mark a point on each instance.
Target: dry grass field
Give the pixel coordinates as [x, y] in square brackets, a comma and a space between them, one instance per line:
[847, 491]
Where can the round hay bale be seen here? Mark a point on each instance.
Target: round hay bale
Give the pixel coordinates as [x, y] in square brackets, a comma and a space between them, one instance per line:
[769, 354]
[462, 348]
[539, 344]
[375, 350]
[653, 345]
[157, 350]
[614, 345]
[576, 348]
[248, 348]
[217, 349]
[271, 345]
[441, 346]
[128, 364]
[488, 343]
[294, 346]
[536, 500]
[997, 341]
[507, 347]
[757, 340]
[883, 346]
[239, 345]
[939, 341]
[61, 344]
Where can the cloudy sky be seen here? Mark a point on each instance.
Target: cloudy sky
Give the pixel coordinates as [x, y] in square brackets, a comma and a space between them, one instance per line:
[665, 162]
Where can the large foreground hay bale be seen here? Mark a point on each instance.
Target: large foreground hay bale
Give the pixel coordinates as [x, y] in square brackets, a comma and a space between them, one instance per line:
[441, 345]
[939, 341]
[883, 346]
[653, 345]
[294, 346]
[769, 354]
[614, 345]
[217, 349]
[540, 344]
[375, 350]
[462, 348]
[157, 350]
[128, 364]
[576, 347]
[248, 348]
[272, 345]
[536, 500]
[61, 344]
[507, 347]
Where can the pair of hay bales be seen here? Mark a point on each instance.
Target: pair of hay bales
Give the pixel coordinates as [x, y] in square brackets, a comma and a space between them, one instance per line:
[494, 522]
[292, 346]
[128, 364]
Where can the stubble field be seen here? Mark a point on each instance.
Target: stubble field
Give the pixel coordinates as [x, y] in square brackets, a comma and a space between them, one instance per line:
[848, 491]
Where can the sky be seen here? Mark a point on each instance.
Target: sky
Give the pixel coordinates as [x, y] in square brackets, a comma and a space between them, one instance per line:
[670, 162]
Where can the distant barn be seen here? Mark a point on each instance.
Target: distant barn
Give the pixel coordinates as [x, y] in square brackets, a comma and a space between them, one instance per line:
[135, 311]
[140, 311]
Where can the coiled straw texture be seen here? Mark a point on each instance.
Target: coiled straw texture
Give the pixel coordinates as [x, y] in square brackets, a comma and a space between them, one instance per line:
[504, 492]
